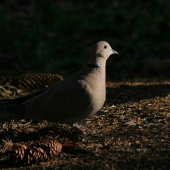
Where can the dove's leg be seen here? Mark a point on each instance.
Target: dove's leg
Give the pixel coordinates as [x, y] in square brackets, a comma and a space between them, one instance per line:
[78, 129]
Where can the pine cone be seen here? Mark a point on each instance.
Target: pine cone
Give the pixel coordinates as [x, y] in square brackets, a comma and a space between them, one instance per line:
[71, 147]
[36, 152]
[35, 81]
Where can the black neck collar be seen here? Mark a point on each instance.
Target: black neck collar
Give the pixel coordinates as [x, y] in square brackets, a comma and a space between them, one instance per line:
[93, 65]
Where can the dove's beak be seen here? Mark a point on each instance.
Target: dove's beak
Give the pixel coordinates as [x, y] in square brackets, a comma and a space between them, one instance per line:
[114, 52]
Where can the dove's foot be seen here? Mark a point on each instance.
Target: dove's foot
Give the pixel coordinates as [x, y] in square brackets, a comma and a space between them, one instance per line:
[78, 129]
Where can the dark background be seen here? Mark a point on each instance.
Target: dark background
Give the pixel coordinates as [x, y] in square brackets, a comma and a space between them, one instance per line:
[56, 36]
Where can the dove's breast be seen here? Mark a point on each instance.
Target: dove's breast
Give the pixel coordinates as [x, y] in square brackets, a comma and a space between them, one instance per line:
[97, 83]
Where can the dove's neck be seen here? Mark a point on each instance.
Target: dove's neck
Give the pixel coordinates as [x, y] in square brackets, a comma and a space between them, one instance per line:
[93, 65]
[98, 66]
[97, 62]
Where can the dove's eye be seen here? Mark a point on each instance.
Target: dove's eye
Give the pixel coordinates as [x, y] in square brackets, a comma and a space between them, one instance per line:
[105, 46]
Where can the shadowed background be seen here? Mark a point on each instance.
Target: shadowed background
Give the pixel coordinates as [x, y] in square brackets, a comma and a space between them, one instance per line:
[132, 130]
[51, 36]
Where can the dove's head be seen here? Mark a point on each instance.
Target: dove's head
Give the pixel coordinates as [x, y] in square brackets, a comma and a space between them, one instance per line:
[100, 52]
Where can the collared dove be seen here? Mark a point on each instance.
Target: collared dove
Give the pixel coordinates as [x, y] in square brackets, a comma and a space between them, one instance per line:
[73, 99]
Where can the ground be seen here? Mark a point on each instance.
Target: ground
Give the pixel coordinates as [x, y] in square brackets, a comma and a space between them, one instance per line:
[131, 131]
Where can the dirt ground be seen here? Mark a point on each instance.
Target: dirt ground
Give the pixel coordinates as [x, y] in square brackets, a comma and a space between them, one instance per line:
[131, 131]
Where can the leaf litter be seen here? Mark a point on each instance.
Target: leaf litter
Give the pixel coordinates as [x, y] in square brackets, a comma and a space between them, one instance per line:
[131, 131]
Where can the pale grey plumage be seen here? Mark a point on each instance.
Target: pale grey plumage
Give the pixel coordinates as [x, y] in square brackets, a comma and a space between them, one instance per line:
[76, 97]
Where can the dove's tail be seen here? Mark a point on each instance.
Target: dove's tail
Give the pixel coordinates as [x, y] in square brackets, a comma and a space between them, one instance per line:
[9, 111]
[14, 108]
